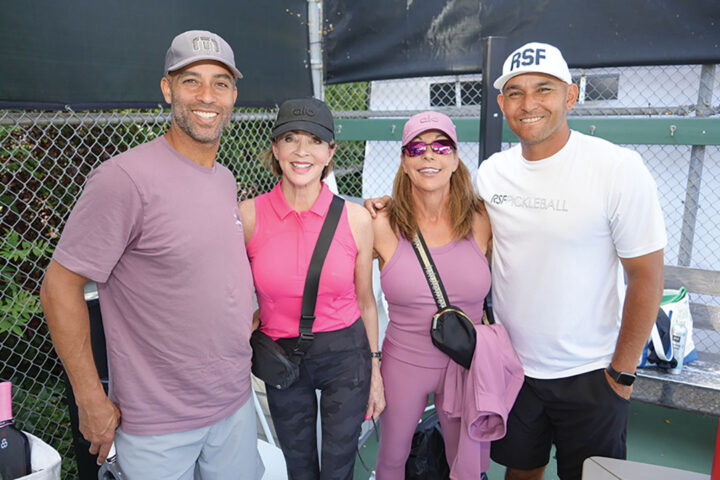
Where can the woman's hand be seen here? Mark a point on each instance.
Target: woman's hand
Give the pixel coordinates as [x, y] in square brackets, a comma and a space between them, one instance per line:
[376, 401]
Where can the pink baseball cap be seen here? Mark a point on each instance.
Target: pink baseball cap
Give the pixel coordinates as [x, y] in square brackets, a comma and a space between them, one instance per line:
[422, 122]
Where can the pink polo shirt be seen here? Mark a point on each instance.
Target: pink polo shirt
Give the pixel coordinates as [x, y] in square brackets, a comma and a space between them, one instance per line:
[280, 250]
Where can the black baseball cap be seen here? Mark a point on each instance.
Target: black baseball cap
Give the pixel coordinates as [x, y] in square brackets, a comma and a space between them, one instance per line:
[305, 114]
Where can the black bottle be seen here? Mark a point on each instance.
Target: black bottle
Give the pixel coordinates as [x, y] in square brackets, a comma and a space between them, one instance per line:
[14, 445]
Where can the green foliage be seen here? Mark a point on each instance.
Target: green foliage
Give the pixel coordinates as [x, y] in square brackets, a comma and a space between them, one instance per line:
[12, 248]
[240, 149]
[350, 156]
[16, 309]
[347, 96]
[40, 409]
[18, 305]
[43, 408]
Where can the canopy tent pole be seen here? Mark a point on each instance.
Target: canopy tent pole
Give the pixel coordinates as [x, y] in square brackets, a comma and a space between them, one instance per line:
[491, 119]
[314, 26]
[697, 157]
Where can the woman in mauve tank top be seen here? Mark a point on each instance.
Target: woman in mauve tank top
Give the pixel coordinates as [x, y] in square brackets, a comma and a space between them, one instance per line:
[281, 229]
[432, 193]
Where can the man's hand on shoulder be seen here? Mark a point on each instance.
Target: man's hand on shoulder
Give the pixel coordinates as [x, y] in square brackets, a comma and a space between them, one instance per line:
[374, 205]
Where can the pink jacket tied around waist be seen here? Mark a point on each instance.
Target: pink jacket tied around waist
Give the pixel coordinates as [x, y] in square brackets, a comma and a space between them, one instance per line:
[482, 397]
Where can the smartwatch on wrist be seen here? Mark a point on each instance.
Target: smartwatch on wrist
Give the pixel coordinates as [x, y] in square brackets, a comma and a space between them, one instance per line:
[623, 378]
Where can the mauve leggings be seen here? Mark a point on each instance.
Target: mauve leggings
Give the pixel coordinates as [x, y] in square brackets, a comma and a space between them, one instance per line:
[406, 392]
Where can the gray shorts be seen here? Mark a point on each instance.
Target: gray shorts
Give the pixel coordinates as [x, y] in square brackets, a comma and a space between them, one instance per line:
[223, 451]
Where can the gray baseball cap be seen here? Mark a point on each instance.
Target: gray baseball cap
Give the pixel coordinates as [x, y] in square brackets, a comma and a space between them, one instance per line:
[195, 45]
[306, 114]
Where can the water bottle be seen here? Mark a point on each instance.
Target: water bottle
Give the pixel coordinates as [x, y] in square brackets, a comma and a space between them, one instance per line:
[678, 332]
[110, 469]
[14, 444]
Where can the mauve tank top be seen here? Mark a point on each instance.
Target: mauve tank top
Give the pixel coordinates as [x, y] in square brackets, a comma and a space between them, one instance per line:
[464, 271]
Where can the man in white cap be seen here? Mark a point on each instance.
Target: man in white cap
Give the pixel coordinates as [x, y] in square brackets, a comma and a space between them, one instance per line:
[157, 228]
[567, 210]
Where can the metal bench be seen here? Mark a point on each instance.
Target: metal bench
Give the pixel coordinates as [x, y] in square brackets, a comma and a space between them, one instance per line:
[697, 387]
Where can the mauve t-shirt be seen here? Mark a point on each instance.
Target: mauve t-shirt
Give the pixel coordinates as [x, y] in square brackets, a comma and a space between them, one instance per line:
[162, 237]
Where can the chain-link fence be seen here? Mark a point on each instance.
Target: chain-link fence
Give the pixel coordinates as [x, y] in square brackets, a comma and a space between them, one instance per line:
[688, 177]
[46, 158]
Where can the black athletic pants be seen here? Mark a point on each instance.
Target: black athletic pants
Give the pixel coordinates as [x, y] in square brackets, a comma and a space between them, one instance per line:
[339, 365]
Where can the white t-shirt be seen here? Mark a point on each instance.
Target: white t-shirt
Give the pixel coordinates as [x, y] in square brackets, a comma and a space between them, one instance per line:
[559, 227]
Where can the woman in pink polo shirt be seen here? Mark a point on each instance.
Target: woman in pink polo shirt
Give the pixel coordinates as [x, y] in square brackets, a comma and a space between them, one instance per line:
[281, 228]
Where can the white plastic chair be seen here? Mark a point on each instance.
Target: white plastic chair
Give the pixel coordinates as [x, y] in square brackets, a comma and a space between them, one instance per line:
[270, 453]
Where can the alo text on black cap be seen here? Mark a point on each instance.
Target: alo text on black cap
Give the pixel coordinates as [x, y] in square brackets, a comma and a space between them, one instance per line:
[305, 114]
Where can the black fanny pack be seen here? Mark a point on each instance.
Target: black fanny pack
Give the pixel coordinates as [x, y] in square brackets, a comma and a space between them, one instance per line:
[453, 333]
[270, 362]
[451, 330]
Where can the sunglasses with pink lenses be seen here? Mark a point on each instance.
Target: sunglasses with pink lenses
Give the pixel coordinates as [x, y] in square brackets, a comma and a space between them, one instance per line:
[442, 147]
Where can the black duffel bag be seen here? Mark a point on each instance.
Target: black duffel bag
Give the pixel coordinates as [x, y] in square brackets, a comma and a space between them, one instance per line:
[427, 454]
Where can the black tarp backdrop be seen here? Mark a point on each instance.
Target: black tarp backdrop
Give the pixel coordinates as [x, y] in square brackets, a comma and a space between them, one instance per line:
[379, 39]
[107, 54]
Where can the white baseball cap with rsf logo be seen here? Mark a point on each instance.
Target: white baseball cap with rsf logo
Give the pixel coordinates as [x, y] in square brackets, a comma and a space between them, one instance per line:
[534, 57]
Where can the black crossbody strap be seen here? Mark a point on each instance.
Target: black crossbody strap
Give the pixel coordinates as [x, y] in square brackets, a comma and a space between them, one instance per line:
[431, 273]
[307, 317]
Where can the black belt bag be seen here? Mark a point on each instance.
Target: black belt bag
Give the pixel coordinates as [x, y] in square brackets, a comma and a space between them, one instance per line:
[270, 362]
[451, 330]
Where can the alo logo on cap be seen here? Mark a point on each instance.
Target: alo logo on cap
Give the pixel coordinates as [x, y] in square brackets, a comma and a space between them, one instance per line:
[428, 118]
[205, 44]
[529, 56]
[304, 111]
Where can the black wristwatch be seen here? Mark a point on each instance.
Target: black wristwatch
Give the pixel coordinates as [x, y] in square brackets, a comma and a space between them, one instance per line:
[377, 355]
[623, 378]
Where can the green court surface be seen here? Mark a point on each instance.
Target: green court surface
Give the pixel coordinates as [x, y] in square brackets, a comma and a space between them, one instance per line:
[656, 435]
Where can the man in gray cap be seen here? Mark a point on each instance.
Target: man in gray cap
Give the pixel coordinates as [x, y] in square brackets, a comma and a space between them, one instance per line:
[567, 210]
[157, 228]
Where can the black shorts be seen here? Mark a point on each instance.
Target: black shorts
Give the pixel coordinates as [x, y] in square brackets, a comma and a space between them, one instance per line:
[582, 415]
